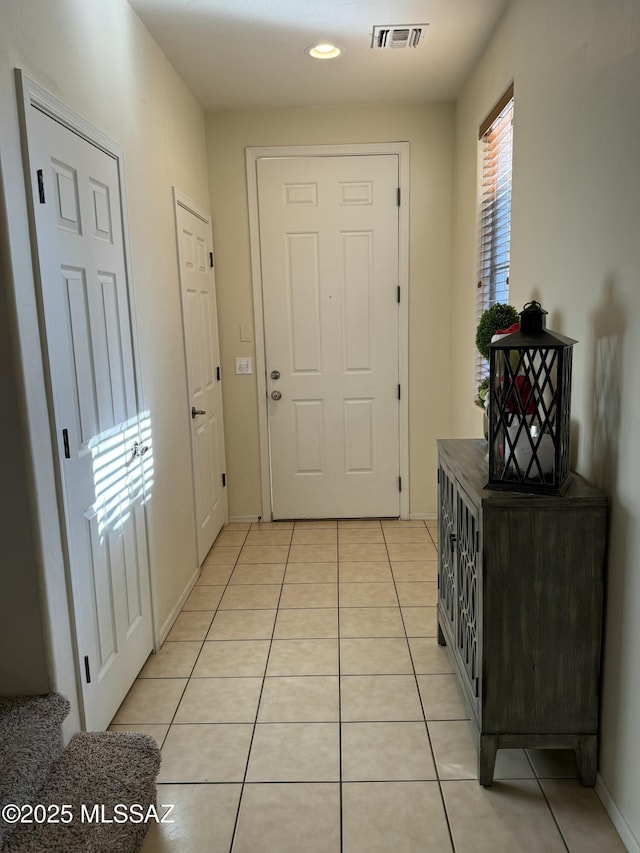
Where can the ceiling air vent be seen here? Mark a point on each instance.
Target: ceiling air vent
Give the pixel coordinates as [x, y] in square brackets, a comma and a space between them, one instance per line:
[399, 35]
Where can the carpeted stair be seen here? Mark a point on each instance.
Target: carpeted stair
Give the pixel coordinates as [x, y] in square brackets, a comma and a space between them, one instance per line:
[95, 773]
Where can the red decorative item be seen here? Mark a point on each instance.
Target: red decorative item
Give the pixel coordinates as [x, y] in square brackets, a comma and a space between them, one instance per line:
[515, 327]
[521, 400]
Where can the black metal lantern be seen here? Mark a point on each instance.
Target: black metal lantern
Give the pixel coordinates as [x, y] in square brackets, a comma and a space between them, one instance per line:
[529, 407]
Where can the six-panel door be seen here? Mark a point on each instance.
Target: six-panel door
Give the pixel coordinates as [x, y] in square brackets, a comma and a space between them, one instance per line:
[103, 437]
[329, 255]
[200, 323]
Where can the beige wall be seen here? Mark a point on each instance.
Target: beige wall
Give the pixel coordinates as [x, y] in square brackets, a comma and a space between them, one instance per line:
[429, 130]
[99, 60]
[575, 247]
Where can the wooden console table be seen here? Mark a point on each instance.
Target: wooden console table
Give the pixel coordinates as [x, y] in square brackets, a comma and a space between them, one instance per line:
[520, 592]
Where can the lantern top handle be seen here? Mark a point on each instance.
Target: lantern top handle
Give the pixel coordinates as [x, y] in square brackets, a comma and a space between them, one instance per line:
[533, 332]
[533, 318]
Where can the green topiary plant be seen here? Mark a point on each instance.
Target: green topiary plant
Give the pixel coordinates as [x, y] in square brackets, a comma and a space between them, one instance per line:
[498, 316]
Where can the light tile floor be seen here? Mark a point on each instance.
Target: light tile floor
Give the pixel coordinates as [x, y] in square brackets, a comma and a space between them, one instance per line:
[302, 704]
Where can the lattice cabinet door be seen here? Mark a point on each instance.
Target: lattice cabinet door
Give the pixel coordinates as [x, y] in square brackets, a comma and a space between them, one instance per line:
[446, 545]
[468, 590]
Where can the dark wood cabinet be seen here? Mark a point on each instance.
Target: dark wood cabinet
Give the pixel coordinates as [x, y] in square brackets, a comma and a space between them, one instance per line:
[520, 593]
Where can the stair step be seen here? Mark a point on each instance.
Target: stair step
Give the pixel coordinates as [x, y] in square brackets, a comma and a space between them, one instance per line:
[30, 741]
[100, 769]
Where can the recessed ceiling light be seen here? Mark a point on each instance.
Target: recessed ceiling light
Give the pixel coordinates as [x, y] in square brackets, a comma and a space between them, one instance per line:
[324, 51]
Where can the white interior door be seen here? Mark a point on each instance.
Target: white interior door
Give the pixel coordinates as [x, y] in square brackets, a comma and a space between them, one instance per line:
[202, 351]
[329, 262]
[103, 439]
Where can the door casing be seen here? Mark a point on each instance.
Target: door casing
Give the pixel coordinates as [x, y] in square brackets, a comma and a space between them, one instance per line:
[401, 149]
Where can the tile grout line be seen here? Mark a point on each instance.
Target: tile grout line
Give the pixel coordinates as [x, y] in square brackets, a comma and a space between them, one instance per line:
[553, 815]
[204, 639]
[264, 676]
[228, 583]
[341, 824]
[424, 716]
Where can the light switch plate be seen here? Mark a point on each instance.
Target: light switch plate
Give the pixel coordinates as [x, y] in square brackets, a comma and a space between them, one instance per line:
[244, 365]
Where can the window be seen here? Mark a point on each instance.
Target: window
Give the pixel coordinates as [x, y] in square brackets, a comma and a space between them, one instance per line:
[496, 144]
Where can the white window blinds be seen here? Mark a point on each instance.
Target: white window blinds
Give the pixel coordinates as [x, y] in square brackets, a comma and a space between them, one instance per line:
[496, 141]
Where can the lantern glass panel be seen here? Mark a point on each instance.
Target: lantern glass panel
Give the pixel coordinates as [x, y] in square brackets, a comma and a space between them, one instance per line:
[529, 396]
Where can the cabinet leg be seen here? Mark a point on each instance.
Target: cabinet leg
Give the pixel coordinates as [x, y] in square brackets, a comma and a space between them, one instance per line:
[487, 759]
[587, 756]
[441, 639]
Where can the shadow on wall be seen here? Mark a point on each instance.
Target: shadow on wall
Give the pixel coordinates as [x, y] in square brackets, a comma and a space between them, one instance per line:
[606, 384]
[608, 325]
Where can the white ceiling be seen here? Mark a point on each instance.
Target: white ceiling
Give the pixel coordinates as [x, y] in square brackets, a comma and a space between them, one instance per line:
[251, 53]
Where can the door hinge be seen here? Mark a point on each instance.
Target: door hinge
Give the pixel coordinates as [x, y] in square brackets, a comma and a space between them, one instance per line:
[398, 294]
[399, 197]
[224, 480]
[218, 374]
[41, 186]
[399, 392]
[87, 670]
[211, 259]
[399, 484]
[65, 441]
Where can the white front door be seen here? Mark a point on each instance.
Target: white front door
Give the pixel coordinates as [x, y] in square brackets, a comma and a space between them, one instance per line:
[200, 321]
[329, 262]
[103, 439]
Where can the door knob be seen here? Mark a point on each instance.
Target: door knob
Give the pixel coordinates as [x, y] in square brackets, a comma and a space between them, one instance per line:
[137, 451]
[276, 395]
[195, 412]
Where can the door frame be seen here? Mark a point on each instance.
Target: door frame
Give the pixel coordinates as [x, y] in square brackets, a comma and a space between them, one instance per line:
[253, 155]
[31, 95]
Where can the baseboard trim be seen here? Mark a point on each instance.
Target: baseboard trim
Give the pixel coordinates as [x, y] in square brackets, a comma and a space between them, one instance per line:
[617, 819]
[254, 519]
[167, 625]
